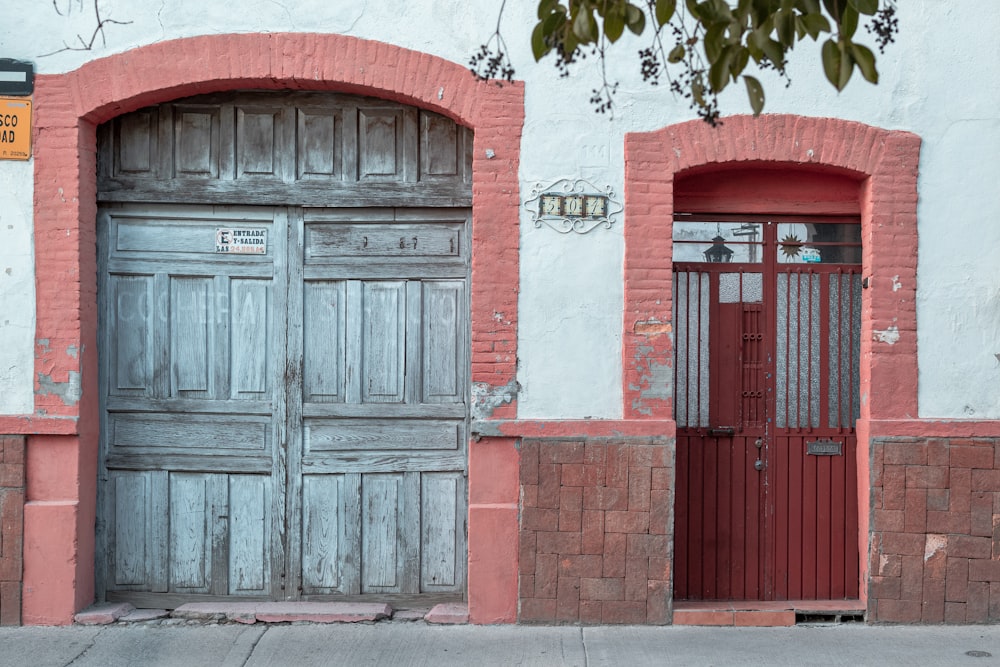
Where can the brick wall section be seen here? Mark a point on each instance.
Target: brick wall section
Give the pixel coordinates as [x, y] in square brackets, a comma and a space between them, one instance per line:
[11, 527]
[596, 531]
[935, 540]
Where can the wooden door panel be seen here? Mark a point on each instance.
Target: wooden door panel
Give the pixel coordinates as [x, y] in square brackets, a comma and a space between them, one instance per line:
[443, 331]
[382, 313]
[330, 534]
[191, 350]
[194, 500]
[250, 339]
[324, 364]
[133, 555]
[249, 537]
[136, 144]
[442, 532]
[132, 322]
[319, 137]
[258, 142]
[390, 527]
[197, 135]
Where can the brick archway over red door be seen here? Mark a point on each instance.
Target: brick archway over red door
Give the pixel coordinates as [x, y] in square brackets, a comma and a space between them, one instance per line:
[62, 448]
[885, 164]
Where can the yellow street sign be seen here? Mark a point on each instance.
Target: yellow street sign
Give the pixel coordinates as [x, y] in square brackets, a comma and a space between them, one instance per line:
[15, 128]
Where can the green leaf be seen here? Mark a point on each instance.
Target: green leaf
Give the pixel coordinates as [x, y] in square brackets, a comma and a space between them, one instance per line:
[569, 43]
[538, 46]
[718, 73]
[866, 7]
[741, 57]
[614, 25]
[665, 10]
[848, 22]
[837, 63]
[583, 25]
[722, 10]
[774, 52]
[831, 62]
[546, 7]
[698, 91]
[835, 8]
[635, 19]
[815, 24]
[865, 60]
[553, 23]
[786, 28]
[697, 10]
[755, 92]
[676, 54]
[714, 41]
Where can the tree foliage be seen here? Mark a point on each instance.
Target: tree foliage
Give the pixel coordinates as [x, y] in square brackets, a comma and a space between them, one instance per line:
[701, 46]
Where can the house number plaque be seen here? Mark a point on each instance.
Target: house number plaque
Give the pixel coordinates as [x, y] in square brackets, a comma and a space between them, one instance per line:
[572, 206]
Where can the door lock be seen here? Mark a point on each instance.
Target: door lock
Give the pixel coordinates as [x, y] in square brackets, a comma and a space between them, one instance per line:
[758, 443]
[758, 465]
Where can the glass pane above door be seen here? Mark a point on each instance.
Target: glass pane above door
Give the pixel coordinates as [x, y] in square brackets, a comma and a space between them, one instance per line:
[718, 242]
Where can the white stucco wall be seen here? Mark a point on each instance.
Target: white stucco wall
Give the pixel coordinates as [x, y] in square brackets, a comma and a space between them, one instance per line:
[938, 81]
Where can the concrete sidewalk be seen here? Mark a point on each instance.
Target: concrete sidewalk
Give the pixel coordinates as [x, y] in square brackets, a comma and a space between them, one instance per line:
[417, 643]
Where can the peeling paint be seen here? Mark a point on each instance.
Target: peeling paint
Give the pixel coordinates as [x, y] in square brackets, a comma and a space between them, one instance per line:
[68, 391]
[73, 351]
[933, 545]
[44, 344]
[501, 318]
[890, 335]
[487, 397]
[656, 381]
[652, 327]
[896, 285]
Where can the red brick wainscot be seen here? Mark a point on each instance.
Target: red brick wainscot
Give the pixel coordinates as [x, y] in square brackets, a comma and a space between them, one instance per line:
[596, 530]
[935, 540]
[11, 527]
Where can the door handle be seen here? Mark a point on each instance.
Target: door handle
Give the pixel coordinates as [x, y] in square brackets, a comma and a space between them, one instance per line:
[722, 431]
[758, 465]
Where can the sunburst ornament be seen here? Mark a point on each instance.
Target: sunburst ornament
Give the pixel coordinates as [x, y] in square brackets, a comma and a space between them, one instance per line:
[790, 245]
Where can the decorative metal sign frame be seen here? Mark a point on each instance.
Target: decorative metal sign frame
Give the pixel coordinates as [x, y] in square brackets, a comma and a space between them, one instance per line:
[573, 206]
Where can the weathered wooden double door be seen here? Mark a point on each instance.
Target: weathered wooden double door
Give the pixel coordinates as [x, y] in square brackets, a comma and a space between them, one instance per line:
[767, 322]
[284, 387]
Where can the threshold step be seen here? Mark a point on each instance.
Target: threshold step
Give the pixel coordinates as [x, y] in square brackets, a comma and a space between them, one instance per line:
[751, 613]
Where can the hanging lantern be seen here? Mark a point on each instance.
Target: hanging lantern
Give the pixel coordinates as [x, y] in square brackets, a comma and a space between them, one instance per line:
[719, 253]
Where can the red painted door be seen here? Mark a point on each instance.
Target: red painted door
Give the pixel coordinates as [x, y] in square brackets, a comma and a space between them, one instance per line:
[767, 324]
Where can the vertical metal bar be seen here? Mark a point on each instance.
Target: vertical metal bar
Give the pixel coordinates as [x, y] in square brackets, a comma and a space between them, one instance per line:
[824, 345]
[809, 359]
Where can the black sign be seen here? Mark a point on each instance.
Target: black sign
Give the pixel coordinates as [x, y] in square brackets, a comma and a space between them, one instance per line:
[16, 77]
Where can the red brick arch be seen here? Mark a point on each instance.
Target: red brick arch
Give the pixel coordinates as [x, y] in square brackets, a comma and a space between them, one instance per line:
[62, 448]
[883, 162]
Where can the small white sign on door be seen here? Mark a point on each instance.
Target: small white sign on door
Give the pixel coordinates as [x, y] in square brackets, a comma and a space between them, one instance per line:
[240, 241]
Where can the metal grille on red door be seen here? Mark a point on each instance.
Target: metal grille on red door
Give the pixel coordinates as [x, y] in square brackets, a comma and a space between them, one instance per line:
[767, 322]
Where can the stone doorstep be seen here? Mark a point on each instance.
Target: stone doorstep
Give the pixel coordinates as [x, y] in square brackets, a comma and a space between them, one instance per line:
[285, 612]
[274, 612]
[758, 614]
[103, 613]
